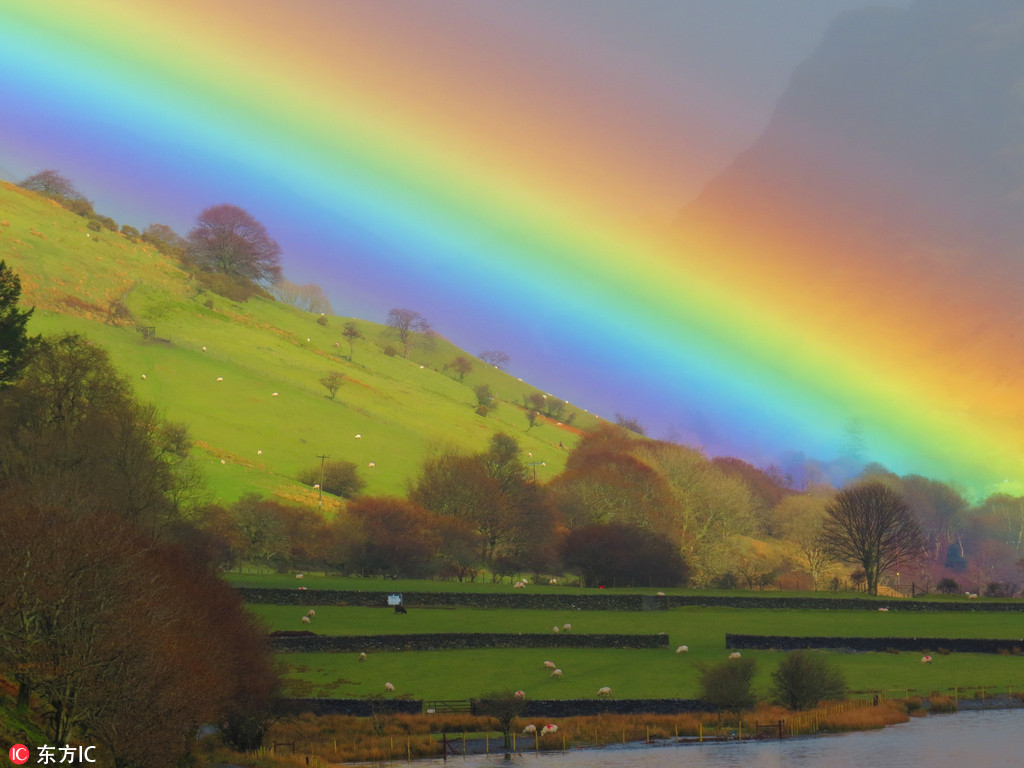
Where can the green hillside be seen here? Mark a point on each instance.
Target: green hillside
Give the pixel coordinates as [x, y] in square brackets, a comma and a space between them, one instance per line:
[245, 376]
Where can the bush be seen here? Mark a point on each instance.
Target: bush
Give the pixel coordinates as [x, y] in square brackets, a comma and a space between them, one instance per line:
[481, 410]
[229, 286]
[1000, 589]
[337, 477]
[727, 686]
[804, 678]
[390, 351]
[948, 586]
[322, 320]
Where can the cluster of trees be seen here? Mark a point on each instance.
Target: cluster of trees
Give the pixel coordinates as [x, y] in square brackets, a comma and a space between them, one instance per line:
[113, 622]
[803, 680]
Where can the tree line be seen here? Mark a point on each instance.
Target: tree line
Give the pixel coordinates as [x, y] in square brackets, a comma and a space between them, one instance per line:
[114, 624]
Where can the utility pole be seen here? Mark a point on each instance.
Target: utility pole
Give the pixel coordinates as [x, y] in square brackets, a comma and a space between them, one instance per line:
[320, 487]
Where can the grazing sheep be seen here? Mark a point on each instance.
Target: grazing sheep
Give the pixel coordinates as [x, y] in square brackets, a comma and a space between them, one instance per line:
[926, 659]
[305, 619]
[531, 728]
[220, 378]
[143, 375]
[259, 452]
[204, 349]
[557, 674]
[734, 655]
[552, 582]
[388, 687]
[300, 575]
[223, 461]
[359, 437]
[884, 610]
[519, 585]
[371, 465]
[362, 657]
[549, 665]
[311, 613]
[548, 729]
[556, 630]
[683, 649]
[972, 596]
[519, 695]
[274, 394]
[661, 594]
[567, 627]
[604, 691]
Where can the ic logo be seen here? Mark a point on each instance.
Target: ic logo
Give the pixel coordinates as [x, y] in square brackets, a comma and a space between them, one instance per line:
[19, 754]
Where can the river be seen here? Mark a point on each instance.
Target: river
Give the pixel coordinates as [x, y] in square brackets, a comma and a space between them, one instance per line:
[980, 738]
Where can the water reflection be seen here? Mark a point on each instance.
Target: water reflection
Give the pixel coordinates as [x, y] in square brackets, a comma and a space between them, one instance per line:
[939, 741]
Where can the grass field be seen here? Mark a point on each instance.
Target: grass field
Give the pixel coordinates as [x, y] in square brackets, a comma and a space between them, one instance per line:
[402, 408]
[635, 673]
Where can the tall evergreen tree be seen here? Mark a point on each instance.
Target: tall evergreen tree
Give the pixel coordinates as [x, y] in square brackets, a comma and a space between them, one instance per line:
[14, 340]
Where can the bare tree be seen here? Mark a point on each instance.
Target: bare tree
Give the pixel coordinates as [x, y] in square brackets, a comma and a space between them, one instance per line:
[461, 365]
[309, 297]
[332, 382]
[351, 333]
[227, 239]
[52, 184]
[494, 357]
[404, 323]
[872, 525]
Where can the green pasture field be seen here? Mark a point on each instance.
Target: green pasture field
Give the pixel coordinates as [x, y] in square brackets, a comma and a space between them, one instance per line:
[635, 673]
[402, 408]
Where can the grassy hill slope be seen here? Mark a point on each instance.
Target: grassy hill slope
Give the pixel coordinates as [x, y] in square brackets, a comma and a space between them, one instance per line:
[216, 365]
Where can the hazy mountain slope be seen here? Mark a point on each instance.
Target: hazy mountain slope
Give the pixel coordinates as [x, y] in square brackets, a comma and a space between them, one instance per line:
[883, 206]
[401, 408]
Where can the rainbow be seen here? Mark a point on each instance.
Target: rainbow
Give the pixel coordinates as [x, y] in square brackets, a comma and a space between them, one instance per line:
[393, 176]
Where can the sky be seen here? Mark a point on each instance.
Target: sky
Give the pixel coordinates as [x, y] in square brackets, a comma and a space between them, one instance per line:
[509, 170]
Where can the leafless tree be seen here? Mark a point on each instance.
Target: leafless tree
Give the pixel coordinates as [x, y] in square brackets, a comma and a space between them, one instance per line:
[871, 525]
[404, 323]
[494, 357]
[229, 240]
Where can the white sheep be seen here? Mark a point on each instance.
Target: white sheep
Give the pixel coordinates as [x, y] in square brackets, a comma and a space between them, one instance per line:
[300, 575]
[359, 437]
[143, 375]
[362, 656]
[567, 627]
[552, 582]
[274, 394]
[519, 585]
[519, 695]
[305, 619]
[556, 630]
[311, 613]
[604, 691]
[926, 659]
[548, 729]
[204, 349]
[557, 674]
[549, 665]
[531, 728]
[884, 610]
[388, 687]
[220, 378]
[972, 596]
[259, 452]
[371, 465]
[223, 461]
[661, 594]
[683, 649]
[734, 655]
